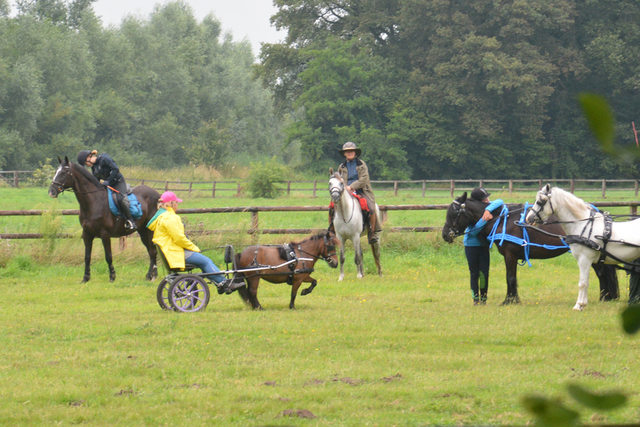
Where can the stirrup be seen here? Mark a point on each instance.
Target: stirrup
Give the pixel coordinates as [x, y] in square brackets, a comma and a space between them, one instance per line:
[130, 225]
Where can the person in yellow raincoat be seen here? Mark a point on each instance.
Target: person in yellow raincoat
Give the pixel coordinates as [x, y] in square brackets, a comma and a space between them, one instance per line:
[168, 234]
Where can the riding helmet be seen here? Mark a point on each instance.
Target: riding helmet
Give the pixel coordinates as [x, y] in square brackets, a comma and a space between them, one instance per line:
[350, 146]
[82, 156]
[479, 194]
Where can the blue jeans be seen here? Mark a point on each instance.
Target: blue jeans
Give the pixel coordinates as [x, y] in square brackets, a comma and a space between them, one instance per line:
[206, 265]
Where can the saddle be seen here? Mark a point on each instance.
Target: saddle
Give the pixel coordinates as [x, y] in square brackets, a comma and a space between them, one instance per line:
[134, 205]
[363, 202]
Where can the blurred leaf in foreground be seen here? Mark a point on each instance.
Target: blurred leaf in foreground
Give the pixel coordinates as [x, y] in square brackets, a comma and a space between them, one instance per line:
[548, 413]
[604, 401]
[600, 118]
[631, 319]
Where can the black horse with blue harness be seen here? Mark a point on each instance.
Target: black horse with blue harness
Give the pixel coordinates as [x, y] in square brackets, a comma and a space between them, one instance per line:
[517, 242]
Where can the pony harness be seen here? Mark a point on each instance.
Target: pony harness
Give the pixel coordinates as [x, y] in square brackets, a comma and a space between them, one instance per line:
[524, 241]
[134, 205]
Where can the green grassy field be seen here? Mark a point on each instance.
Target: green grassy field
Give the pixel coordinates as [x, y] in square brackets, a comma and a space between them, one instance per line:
[407, 349]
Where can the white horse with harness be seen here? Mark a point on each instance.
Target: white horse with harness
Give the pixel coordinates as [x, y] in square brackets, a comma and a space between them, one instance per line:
[348, 224]
[590, 234]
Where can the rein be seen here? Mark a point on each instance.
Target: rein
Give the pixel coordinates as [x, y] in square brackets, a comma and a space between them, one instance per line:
[340, 192]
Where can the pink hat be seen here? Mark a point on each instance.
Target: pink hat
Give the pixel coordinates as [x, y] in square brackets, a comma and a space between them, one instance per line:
[169, 196]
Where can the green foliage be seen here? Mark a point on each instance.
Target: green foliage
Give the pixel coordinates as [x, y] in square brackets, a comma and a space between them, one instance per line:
[210, 145]
[145, 92]
[471, 88]
[264, 179]
[42, 176]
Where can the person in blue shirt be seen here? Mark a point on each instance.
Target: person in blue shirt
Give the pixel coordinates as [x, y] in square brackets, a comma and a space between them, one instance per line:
[476, 248]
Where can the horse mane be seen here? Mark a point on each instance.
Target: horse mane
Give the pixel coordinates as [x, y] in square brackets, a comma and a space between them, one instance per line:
[318, 236]
[84, 172]
[575, 205]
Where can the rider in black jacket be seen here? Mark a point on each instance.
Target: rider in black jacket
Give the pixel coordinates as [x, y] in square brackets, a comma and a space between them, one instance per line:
[103, 167]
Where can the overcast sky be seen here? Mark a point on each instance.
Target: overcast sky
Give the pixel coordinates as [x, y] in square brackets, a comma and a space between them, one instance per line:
[243, 18]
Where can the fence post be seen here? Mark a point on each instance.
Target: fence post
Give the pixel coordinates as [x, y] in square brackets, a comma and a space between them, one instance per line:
[481, 183]
[636, 188]
[539, 184]
[190, 187]
[453, 187]
[16, 181]
[166, 186]
[604, 189]
[288, 188]
[395, 188]
[213, 192]
[634, 210]
[573, 185]
[510, 186]
[254, 226]
[424, 188]
[315, 186]
[239, 189]
[142, 183]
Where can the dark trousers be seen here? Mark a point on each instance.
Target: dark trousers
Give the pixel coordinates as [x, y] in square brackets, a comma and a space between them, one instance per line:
[634, 286]
[478, 259]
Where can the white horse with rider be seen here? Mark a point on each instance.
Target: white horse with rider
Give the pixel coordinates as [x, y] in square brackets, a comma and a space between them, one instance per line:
[347, 214]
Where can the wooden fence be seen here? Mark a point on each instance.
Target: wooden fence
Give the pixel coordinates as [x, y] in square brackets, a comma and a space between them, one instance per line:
[255, 210]
[235, 188]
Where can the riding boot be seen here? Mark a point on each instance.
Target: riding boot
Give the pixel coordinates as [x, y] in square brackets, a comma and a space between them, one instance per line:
[373, 236]
[129, 224]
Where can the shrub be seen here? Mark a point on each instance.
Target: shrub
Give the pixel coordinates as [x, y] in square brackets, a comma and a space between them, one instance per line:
[43, 175]
[264, 177]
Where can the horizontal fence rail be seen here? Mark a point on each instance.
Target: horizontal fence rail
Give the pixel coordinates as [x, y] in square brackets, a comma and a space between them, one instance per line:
[235, 188]
[255, 210]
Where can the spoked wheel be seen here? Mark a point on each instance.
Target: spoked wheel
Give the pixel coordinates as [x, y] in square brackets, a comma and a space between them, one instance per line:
[188, 293]
[163, 294]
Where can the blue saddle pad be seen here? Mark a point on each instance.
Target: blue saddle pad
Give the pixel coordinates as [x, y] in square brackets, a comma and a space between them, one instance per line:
[134, 205]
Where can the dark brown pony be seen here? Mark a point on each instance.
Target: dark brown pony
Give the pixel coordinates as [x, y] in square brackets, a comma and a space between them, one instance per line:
[467, 211]
[319, 246]
[97, 220]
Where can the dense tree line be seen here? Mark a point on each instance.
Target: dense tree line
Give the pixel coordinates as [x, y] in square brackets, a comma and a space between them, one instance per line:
[167, 91]
[456, 88]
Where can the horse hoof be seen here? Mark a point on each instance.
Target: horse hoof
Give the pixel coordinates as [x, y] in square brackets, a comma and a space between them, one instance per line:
[578, 307]
[360, 276]
[340, 279]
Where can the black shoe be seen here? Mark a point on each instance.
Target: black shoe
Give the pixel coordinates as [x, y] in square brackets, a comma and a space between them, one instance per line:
[222, 286]
[234, 286]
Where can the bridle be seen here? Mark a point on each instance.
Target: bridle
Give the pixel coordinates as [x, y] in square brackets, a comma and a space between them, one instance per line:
[329, 249]
[540, 204]
[458, 209]
[59, 186]
[340, 189]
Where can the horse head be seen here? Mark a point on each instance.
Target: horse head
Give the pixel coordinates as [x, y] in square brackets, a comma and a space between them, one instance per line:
[329, 253]
[336, 186]
[63, 178]
[457, 220]
[543, 208]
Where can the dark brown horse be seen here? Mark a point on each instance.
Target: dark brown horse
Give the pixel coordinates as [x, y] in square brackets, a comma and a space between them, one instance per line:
[97, 220]
[319, 246]
[467, 211]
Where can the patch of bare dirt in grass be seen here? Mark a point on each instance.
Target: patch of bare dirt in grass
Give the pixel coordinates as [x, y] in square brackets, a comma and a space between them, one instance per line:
[299, 413]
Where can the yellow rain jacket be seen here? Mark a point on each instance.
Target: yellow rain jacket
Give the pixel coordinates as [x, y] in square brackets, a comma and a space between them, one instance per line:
[168, 233]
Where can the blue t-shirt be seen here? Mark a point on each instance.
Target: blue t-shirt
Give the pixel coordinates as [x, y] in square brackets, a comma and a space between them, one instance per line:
[471, 233]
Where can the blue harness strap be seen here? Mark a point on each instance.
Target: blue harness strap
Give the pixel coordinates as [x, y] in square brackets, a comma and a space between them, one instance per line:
[524, 241]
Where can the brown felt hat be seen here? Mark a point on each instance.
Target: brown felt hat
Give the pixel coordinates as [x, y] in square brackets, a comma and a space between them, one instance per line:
[350, 146]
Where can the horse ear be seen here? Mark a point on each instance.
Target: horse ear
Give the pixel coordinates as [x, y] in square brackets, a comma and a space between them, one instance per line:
[463, 198]
[547, 188]
[330, 171]
[66, 159]
[59, 160]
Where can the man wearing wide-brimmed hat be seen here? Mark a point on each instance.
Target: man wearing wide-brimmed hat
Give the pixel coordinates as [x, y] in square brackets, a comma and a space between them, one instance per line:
[356, 174]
